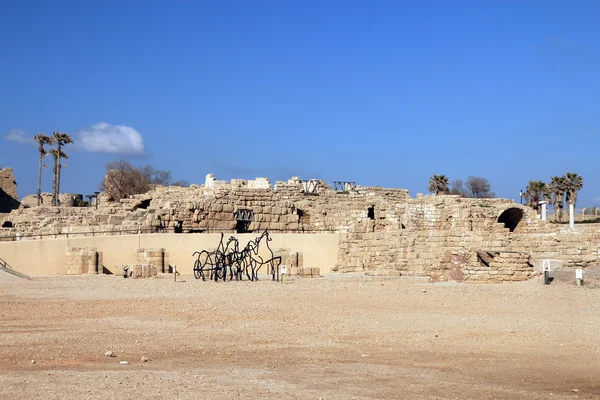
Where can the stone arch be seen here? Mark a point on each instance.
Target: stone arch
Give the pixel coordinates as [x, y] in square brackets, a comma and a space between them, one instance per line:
[511, 218]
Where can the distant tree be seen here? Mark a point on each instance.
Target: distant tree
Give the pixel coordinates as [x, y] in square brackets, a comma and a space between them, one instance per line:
[574, 183]
[123, 179]
[438, 184]
[181, 182]
[536, 191]
[457, 188]
[155, 176]
[42, 140]
[556, 190]
[62, 139]
[479, 187]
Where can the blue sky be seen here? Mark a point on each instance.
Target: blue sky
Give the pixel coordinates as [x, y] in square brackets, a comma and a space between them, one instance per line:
[378, 92]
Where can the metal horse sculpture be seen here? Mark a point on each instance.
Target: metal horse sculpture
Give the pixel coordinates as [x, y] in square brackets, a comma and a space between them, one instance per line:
[213, 262]
[229, 261]
[256, 261]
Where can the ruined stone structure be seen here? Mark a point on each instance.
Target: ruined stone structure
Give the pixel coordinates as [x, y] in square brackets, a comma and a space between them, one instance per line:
[65, 199]
[155, 257]
[83, 261]
[8, 191]
[295, 264]
[381, 231]
[489, 266]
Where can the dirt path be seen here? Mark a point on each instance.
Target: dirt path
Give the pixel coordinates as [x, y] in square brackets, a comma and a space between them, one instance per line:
[309, 339]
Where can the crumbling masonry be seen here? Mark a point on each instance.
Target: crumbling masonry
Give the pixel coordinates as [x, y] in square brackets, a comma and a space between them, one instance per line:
[381, 231]
[8, 191]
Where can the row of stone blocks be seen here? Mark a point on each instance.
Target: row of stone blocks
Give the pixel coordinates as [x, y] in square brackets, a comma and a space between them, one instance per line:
[79, 261]
[155, 257]
[290, 258]
[295, 264]
[304, 272]
[140, 271]
[86, 260]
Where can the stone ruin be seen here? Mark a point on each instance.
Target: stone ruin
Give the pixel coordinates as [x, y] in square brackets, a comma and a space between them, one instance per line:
[381, 231]
[9, 200]
[81, 261]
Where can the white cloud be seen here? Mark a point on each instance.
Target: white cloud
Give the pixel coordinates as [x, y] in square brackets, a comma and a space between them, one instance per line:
[108, 138]
[19, 136]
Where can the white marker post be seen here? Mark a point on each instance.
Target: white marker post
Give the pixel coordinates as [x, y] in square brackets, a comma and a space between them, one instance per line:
[579, 276]
[571, 216]
[546, 269]
[283, 269]
[544, 209]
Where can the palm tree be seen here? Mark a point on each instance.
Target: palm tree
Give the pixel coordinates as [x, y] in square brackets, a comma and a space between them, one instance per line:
[574, 183]
[438, 184]
[56, 155]
[557, 188]
[42, 140]
[62, 139]
[536, 191]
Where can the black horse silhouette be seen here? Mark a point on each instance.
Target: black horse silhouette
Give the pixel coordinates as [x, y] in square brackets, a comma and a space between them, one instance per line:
[228, 259]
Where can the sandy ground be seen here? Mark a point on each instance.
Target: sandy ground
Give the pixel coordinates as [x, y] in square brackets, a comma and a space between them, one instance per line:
[327, 338]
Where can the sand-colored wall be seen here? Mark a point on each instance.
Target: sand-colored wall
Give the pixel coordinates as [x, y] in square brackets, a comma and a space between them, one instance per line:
[44, 257]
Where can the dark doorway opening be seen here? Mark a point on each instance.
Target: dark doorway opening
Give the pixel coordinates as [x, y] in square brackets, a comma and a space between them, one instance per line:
[511, 218]
[303, 216]
[242, 227]
[179, 227]
[243, 219]
[371, 212]
[7, 224]
[144, 204]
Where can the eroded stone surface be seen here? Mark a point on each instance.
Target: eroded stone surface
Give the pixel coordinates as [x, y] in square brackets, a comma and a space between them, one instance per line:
[381, 231]
[9, 200]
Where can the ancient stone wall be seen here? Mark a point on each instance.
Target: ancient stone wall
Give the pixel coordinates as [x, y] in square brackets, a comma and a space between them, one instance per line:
[381, 231]
[216, 206]
[9, 200]
[431, 226]
[66, 200]
[486, 267]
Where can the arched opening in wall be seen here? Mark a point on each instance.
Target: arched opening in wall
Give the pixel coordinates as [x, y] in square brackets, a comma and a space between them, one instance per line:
[511, 218]
[402, 226]
[7, 224]
[371, 212]
[144, 204]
